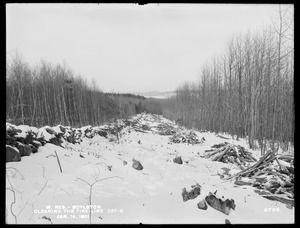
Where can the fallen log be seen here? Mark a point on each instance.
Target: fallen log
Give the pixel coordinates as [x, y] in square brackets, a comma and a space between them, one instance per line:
[222, 137]
[240, 182]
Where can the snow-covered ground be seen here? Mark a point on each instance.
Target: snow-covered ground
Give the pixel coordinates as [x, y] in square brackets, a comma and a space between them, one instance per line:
[126, 195]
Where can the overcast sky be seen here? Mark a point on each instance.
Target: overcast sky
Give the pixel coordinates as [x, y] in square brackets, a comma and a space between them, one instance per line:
[130, 48]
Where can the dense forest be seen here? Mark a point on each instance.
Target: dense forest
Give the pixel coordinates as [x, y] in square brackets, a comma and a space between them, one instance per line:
[246, 91]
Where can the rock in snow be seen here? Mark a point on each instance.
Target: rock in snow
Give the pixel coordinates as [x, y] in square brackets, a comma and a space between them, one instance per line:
[227, 221]
[177, 160]
[25, 150]
[12, 154]
[219, 204]
[137, 165]
[202, 205]
[196, 190]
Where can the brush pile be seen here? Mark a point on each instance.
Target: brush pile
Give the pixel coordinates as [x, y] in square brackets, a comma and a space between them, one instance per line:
[189, 137]
[166, 129]
[272, 175]
[151, 122]
[229, 153]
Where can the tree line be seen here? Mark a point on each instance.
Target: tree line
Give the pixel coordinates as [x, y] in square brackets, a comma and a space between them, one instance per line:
[246, 91]
[47, 94]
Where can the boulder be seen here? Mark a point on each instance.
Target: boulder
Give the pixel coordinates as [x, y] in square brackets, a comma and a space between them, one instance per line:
[25, 150]
[177, 160]
[192, 194]
[219, 204]
[62, 128]
[36, 143]
[56, 141]
[11, 140]
[42, 141]
[71, 139]
[137, 165]
[12, 154]
[33, 148]
[50, 131]
[202, 205]
[227, 221]
[102, 133]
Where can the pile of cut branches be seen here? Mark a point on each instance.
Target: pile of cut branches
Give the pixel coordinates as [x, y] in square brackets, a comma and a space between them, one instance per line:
[189, 137]
[272, 175]
[166, 129]
[229, 153]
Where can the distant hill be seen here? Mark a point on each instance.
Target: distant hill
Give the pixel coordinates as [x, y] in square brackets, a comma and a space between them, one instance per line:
[158, 95]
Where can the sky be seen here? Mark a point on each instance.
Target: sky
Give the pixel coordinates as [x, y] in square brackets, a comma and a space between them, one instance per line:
[128, 47]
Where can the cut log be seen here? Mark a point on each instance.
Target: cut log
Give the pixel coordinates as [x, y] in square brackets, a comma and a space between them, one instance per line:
[239, 182]
[221, 155]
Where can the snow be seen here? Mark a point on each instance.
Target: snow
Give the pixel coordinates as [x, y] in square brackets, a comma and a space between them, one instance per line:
[44, 134]
[25, 129]
[57, 129]
[152, 195]
[34, 130]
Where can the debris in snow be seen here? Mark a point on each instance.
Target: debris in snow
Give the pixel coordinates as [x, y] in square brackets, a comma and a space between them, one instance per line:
[166, 129]
[124, 162]
[219, 204]
[229, 153]
[275, 178]
[202, 205]
[137, 165]
[145, 127]
[47, 218]
[196, 190]
[189, 137]
[12, 154]
[227, 221]
[177, 160]
[43, 220]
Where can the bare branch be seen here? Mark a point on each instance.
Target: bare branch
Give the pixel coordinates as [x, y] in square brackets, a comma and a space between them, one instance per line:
[44, 186]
